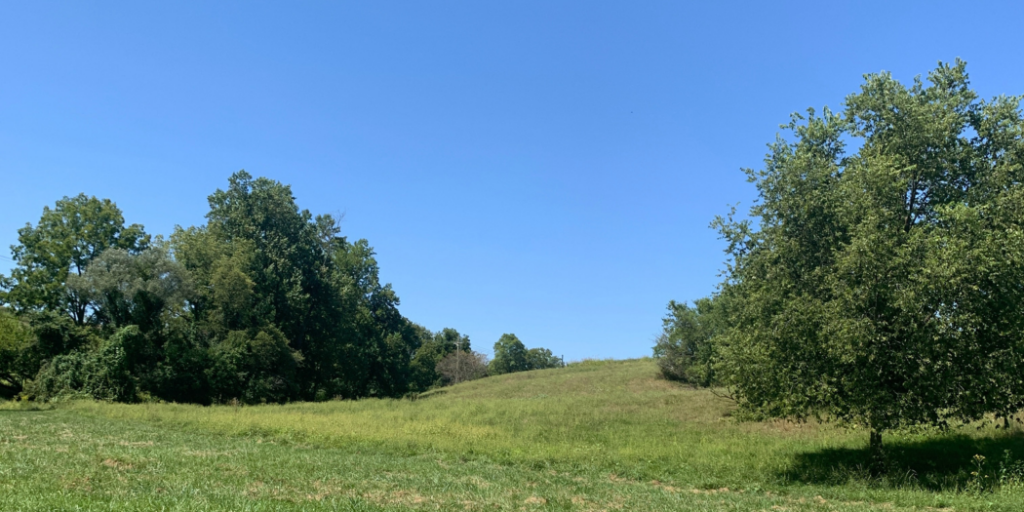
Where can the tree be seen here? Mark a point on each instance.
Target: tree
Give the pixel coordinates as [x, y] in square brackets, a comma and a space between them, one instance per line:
[66, 239]
[261, 262]
[509, 355]
[541, 358]
[428, 356]
[265, 302]
[685, 349]
[883, 286]
[133, 289]
[461, 366]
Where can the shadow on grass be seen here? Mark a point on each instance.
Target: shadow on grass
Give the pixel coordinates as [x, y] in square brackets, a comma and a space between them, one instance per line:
[939, 464]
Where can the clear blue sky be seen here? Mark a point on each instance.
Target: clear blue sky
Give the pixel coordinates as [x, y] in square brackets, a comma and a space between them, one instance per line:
[543, 168]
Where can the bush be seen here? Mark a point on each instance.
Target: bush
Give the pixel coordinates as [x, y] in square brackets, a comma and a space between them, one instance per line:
[685, 349]
[103, 374]
[16, 339]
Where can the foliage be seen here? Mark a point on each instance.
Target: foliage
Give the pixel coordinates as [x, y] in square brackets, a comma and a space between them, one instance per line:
[52, 334]
[510, 355]
[541, 358]
[261, 261]
[66, 239]
[461, 366]
[181, 371]
[263, 303]
[686, 347]
[254, 367]
[133, 289]
[16, 339]
[880, 287]
[103, 374]
[435, 348]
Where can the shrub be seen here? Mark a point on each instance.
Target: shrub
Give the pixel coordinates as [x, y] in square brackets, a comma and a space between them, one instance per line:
[104, 373]
[685, 349]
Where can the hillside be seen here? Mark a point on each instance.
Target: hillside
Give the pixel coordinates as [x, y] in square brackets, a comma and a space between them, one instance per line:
[592, 436]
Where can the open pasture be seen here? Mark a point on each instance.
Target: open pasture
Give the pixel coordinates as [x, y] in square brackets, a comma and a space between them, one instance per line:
[592, 436]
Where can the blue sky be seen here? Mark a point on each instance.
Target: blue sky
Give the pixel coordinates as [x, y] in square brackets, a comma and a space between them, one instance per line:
[543, 168]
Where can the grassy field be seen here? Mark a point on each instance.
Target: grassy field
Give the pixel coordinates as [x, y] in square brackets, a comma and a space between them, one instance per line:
[592, 436]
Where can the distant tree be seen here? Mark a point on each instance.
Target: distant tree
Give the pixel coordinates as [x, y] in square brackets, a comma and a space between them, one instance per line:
[461, 366]
[509, 356]
[432, 351]
[882, 286]
[66, 239]
[541, 358]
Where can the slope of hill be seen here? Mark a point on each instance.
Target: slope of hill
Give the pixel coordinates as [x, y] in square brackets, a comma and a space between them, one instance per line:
[597, 435]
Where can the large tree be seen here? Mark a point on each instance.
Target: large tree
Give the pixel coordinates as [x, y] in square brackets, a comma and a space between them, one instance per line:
[66, 239]
[510, 355]
[133, 289]
[262, 262]
[880, 279]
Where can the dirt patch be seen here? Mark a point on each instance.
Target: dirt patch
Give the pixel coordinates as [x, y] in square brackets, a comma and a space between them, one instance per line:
[137, 443]
[117, 464]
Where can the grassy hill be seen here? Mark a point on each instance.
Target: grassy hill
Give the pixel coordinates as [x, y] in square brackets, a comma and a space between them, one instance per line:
[601, 435]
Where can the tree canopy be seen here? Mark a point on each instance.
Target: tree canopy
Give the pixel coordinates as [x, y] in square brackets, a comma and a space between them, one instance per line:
[878, 280]
[264, 303]
[66, 239]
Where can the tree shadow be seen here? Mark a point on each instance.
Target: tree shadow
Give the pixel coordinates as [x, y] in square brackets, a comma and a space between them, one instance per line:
[938, 464]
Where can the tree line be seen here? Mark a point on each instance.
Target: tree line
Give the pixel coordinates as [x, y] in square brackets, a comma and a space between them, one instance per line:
[264, 303]
[879, 278]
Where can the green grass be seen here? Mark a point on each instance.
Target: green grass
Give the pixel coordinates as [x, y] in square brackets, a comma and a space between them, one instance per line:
[593, 436]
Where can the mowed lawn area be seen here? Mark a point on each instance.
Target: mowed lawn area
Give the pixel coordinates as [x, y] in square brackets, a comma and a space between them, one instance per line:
[601, 435]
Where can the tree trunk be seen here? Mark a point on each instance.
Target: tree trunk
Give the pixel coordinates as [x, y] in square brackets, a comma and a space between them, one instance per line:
[877, 453]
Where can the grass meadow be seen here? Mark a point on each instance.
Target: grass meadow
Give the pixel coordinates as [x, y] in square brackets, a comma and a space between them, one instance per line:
[598, 435]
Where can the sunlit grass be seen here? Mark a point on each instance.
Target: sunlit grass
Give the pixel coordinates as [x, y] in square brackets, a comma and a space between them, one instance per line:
[593, 436]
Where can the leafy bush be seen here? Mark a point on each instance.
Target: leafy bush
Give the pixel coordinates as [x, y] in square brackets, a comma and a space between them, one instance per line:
[685, 349]
[104, 373]
[255, 366]
[16, 338]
